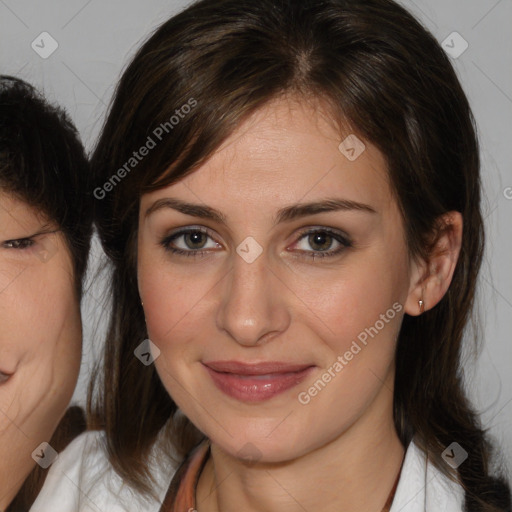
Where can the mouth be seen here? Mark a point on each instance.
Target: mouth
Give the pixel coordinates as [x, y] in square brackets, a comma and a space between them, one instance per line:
[256, 382]
[4, 377]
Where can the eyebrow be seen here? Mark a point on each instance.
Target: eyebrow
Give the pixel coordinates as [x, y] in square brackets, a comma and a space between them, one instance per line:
[285, 214]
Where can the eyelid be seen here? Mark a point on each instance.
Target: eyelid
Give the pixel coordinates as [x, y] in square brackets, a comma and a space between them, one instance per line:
[324, 229]
[188, 229]
[7, 244]
[32, 238]
[339, 236]
[342, 238]
[303, 231]
[178, 233]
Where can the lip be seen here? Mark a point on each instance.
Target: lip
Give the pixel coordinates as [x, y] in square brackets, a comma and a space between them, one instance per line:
[256, 382]
[4, 377]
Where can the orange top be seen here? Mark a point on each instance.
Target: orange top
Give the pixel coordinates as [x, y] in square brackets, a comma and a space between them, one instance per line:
[181, 495]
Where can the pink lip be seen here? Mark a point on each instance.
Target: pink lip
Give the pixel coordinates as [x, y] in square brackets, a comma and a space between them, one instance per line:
[256, 382]
[4, 377]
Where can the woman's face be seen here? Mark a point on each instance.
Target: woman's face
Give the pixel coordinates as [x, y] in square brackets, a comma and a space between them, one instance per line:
[277, 321]
[40, 340]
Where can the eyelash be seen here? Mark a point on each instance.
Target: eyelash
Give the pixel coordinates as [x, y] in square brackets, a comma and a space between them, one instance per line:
[28, 242]
[11, 244]
[345, 243]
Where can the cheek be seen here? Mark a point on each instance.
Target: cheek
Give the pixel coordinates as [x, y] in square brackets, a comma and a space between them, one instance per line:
[41, 339]
[343, 303]
[39, 308]
[174, 298]
[24, 312]
[175, 315]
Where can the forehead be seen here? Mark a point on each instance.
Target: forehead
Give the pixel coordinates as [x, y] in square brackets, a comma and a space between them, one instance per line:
[287, 151]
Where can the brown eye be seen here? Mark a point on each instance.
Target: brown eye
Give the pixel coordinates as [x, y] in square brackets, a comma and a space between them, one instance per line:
[190, 242]
[320, 241]
[22, 243]
[193, 239]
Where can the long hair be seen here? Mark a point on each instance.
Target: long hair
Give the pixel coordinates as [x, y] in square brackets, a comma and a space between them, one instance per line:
[381, 73]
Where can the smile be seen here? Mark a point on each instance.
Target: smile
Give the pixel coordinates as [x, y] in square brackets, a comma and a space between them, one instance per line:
[256, 382]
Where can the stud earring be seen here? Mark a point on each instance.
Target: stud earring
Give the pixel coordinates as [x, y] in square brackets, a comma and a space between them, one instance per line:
[421, 304]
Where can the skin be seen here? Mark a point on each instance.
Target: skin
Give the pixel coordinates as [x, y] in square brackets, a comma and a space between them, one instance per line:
[341, 450]
[40, 344]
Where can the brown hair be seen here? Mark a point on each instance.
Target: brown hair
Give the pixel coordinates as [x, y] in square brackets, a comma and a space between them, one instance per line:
[379, 71]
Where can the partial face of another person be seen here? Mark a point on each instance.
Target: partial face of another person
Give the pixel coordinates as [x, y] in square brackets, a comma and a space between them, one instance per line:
[277, 326]
[40, 339]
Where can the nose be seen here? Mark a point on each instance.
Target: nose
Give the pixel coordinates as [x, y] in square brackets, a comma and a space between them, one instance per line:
[253, 306]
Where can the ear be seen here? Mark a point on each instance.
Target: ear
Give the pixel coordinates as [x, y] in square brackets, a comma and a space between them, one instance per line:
[430, 279]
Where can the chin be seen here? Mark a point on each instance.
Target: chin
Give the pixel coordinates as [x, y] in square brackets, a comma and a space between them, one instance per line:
[254, 441]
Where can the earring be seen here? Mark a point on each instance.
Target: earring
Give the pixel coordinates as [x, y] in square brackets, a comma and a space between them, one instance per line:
[421, 304]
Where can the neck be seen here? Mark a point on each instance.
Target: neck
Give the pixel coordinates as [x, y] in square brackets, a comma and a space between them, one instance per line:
[354, 472]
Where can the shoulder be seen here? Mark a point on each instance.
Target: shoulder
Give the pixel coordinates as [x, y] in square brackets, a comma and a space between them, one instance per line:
[82, 480]
[423, 487]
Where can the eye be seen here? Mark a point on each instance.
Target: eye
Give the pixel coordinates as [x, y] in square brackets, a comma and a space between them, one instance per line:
[189, 242]
[39, 243]
[322, 240]
[194, 242]
[21, 243]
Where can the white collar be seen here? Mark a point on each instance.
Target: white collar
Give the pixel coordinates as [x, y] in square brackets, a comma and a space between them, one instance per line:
[423, 488]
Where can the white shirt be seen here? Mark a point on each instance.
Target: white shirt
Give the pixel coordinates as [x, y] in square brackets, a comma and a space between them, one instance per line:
[82, 480]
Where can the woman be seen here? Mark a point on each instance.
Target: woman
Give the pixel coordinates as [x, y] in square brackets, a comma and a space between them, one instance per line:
[295, 231]
[45, 228]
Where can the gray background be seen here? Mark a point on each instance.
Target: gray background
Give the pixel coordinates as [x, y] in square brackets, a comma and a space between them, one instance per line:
[95, 40]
